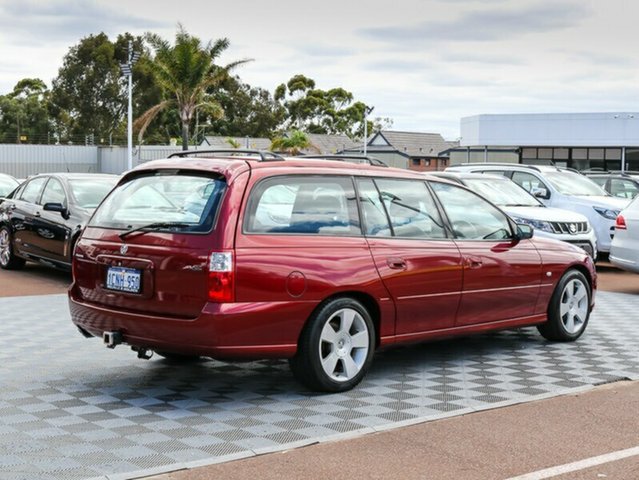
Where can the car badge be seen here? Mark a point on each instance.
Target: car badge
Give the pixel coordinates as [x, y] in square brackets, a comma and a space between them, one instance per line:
[124, 248]
[573, 228]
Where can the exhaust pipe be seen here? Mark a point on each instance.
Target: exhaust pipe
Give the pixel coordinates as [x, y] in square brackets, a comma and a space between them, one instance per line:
[111, 339]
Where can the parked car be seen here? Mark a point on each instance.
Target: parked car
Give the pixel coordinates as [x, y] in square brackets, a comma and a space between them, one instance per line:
[361, 257]
[7, 184]
[617, 184]
[42, 219]
[561, 188]
[624, 252]
[524, 208]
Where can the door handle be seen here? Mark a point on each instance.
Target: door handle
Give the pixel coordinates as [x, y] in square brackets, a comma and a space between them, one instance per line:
[396, 263]
[13, 206]
[36, 214]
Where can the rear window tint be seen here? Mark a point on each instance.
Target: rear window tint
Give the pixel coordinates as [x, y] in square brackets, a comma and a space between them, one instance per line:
[303, 204]
[186, 198]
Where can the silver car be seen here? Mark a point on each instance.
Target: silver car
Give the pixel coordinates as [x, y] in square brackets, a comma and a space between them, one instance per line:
[624, 251]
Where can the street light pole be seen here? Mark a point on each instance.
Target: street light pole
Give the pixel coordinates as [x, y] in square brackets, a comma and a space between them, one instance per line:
[127, 70]
[367, 112]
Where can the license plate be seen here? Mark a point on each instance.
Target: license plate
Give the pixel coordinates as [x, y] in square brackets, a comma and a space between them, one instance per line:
[123, 279]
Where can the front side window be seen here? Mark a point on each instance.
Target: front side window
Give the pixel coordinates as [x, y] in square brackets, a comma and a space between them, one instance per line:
[472, 217]
[188, 201]
[529, 182]
[53, 193]
[411, 208]
[303, 204]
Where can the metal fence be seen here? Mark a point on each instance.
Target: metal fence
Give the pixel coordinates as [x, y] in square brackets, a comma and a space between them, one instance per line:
[24, 160]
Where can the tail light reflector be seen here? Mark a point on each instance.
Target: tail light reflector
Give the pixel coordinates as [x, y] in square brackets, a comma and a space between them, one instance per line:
[620, 223]
[221, 277]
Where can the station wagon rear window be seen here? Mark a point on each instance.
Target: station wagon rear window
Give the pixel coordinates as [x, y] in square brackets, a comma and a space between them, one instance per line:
[187, 200]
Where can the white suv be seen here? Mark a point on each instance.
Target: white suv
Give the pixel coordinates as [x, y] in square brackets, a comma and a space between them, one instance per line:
[522, 207]
[561, 188]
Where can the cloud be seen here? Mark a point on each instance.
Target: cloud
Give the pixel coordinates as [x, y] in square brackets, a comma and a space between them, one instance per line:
[483, 58]
[488, 24]
[317, 50]
[64, 21]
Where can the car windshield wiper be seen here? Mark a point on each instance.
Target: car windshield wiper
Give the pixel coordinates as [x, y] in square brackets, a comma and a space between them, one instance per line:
[522, 205]
[155, 226]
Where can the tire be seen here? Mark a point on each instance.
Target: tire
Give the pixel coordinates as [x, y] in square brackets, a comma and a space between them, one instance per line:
[178, 357]
[336, 347]
[8, 260]
[569, 309]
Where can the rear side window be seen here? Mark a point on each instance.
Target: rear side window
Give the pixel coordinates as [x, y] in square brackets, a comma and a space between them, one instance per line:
[303, 204]
[188, 199]
[31, 191]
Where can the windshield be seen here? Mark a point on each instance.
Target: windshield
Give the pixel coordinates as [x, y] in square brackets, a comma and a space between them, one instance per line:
[89, 192]
[7, 185]
[502, 193]
[570, 183]
[187, 201]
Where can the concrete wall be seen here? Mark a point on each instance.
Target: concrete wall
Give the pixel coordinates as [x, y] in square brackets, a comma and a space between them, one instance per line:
[616, 129]
[24, 160]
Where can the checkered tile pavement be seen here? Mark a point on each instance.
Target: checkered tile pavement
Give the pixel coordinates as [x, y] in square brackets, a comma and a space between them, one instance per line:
[72, 409]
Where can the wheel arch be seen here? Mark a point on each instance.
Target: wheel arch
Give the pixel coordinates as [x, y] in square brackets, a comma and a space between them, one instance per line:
[587, 273]
[367, 301]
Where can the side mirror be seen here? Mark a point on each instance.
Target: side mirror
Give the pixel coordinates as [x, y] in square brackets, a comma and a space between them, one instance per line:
[540, 192]
[524, 231]
[56, 207]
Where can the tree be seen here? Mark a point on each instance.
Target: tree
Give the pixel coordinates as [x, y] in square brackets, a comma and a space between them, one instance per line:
[24, 115]
[314, 110]
[248, 111]
[293, 143]
[89, 95]
[187, 73]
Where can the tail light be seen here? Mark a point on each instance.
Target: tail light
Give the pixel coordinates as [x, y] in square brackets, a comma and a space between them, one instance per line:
[620, 223]
[221, 277]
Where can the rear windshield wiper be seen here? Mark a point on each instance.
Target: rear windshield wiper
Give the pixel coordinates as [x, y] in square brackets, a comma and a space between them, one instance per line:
[155, 226]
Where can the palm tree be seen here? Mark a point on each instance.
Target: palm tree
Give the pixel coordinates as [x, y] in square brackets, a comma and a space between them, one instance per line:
[187, 73]
[293, 143]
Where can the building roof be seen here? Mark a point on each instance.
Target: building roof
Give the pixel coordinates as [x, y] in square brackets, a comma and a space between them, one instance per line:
[413, 144]
[327, 144]
[323, 144]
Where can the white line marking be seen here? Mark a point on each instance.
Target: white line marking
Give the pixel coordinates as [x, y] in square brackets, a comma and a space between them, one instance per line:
[580, 465]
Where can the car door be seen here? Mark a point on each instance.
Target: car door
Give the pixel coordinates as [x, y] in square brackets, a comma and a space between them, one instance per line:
[419, 263]
[501, 274]
[52, 233]
[22, 215]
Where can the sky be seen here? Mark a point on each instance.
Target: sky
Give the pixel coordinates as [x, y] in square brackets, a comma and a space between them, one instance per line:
[423, 63]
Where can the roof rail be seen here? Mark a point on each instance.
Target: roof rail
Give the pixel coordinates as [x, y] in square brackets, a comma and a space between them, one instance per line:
[265, 155]
[345, 158]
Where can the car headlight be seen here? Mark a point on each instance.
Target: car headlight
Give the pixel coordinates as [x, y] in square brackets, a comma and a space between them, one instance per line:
[607, 212]
[536, 224]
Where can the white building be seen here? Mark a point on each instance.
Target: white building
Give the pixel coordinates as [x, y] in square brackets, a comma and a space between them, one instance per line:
[607, 141]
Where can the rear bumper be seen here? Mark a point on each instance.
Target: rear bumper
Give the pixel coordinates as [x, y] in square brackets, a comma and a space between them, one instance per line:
[232, 330]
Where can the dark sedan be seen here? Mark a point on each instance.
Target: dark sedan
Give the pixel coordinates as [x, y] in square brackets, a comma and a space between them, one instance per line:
[42, 219]
[7, 184]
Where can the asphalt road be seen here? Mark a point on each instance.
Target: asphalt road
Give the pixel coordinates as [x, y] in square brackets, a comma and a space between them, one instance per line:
[592, 434]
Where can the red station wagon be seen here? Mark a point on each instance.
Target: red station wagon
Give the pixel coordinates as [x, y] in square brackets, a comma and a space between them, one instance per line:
[317, 261]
